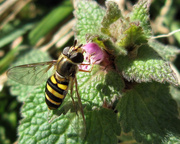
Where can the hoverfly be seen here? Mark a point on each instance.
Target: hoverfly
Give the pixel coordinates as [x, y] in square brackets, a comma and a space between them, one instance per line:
[57, 85]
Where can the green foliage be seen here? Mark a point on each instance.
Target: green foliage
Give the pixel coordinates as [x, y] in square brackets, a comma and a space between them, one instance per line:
[150, 112]
[102, 127]
[147, 108]
[175, 26]
[167, 52]
[50, 21]
[98, 86]
[35, 127]
[112, 15]
[8, 59]
[89, 15]
[9, 118]
[131, 94]
[133, 35]
[173, 140]
[2, 136]
[146, 67]
[140, 13]
[16, 32]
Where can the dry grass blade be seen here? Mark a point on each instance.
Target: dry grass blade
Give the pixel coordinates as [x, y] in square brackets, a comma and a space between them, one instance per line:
[5, 6]
[16, 8]
[158, 25]
[64, 30]
[3, 79]
[166, 35]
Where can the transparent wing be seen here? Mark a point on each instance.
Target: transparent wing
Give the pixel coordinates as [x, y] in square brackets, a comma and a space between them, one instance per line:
[31, 74]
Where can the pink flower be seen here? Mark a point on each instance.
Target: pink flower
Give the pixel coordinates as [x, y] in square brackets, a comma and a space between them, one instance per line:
[94, 54]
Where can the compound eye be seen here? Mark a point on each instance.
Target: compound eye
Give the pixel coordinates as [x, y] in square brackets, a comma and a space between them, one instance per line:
[77, 57]
[65, 51]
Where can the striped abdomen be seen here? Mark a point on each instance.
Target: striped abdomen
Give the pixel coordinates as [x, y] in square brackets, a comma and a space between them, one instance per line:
[55, 92]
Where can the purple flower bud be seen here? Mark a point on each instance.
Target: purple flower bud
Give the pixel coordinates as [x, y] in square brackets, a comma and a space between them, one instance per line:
[94, 54]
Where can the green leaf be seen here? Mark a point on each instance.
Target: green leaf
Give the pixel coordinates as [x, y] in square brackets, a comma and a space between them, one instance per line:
[112, 14]
[140, 13]
[57, 15]
[127, 138]
[3, 139]
[167, 52]
[123, 32]
[15, 34]
[8, 59]
[107, 44]
[174, 25]
[34, 128]
[173, 140]
[89, 16]
[99, 85]
[133, 36]
[102, 127]
[114, 49]
[150, 112]
[175, 92]
[147, 67]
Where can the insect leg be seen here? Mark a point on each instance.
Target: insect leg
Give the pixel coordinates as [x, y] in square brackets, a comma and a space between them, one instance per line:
[79, 100]
[71, 89]
[82, 70]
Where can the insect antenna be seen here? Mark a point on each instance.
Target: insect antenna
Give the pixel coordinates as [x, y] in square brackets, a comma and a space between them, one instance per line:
[75, 42]
[80, 46]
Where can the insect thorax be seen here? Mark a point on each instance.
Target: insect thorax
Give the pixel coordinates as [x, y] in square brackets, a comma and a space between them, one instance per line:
[66, 68]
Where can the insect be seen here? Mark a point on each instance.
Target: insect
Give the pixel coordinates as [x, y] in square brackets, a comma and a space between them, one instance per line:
[64, 78]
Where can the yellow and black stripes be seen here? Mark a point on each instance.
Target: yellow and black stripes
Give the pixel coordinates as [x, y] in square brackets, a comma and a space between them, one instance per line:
[55, 92]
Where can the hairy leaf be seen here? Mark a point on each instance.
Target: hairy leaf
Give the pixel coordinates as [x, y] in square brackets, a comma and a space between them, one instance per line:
[35, 128]
[89, 16]
[102, 127]
[112, 14]
[167, 52]
[172, 140]
[99, 85]
[147, 67]
[150, 112]
[133, 36]
[107, 44]
[140, 13]
[121, 30]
